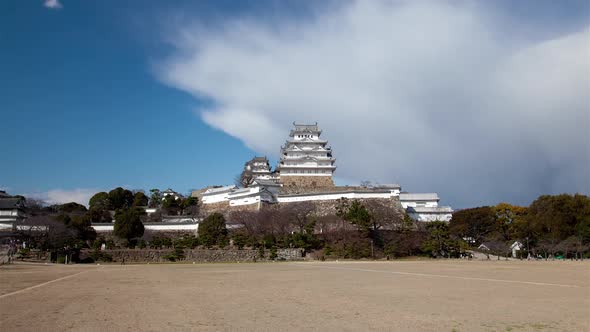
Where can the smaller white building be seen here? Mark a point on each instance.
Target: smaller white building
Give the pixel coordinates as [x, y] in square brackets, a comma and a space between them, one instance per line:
[170, 192]
[418, 200]
[250, 195]
[426, 213]
[11, 211]
[217, 195]
[424, 207]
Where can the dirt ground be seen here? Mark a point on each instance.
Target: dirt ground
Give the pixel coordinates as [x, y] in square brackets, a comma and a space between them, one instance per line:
[323, 296]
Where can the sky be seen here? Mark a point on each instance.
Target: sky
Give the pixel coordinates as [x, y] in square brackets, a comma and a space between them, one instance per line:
[479, 101]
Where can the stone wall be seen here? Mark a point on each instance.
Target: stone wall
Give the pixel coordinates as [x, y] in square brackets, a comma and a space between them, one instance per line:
[220, 207]
[196, 255]
[225, 209]
[307, 181]
[329, 207]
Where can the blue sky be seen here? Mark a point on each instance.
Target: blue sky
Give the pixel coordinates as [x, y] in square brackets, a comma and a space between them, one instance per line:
[145, 94]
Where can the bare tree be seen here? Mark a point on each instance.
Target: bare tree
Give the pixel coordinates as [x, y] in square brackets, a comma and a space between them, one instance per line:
[366, 184]
[260, 223]
[386, 214]
[244, 179]
[46, 230]
[298, 214]
[572, 245]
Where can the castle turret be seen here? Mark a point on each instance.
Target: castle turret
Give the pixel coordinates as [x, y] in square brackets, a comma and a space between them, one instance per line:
[306, 159]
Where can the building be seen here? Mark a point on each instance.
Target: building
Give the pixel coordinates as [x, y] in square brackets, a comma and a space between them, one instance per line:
[170, 192]
[305, 174]
[306, 159]
[217, 194]
[251, 195]
[335, 193]
[424, 207]
[259, 168]
[12, 211]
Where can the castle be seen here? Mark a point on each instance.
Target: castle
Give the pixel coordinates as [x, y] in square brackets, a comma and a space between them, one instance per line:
[304, 173]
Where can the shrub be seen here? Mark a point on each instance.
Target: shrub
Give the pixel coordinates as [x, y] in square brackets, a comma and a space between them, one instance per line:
[176, 255]
[261, 252]
[273, 253]
[212, 231]
[100, 256]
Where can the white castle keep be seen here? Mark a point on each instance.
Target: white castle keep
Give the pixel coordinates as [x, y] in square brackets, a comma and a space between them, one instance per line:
[305, 154]
[304, 173]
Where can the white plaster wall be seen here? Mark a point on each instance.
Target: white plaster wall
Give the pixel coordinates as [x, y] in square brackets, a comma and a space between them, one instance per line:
[429, 217]
[163, 227]
[244, 201]
[406, 204]
[329, 173]
[210, 199]
[334, 196]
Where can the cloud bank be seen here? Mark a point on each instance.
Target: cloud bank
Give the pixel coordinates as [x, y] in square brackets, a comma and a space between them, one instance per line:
[52, 4]
[431, 95]
[60, 196]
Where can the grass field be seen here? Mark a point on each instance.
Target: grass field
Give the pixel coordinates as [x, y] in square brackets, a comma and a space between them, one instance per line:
[353, 296]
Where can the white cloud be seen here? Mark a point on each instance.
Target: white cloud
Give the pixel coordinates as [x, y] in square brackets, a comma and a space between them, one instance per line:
[60, 196]
[53, 4]
[432, 95]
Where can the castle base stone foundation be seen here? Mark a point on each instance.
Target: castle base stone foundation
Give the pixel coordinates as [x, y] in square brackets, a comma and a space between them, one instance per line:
[307, 181]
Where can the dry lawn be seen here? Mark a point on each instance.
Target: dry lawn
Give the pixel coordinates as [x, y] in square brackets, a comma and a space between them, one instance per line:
[327, 296]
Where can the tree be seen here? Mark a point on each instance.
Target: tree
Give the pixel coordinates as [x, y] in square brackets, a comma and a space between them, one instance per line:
[298, 214]
[120, 198]
[212, 230]
[128, 224]
[155, 198]
[100, 201]
[358, 215]
[244, 179]
[366, 184]
[99, 216]
[507, 216]
[140, 199]
[35, 207]
[473, 223]
[385, 214]
[583, 230]
[571, 247]
[82, 226]
[439, 242]
[190, 207]
[171, 205]
[71, 207]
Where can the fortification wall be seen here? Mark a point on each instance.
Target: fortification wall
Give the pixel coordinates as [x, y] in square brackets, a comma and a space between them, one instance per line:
[307, 181]
[225, 209]
[325, 208]
[214, 207]
[196, 255]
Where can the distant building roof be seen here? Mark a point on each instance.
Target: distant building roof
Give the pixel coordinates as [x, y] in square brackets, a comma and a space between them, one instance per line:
[418, 197]
[11, 203]
[483, 246]
[240, 191]
[312, 128]
[388, 185]
[219, 190]
[265, 183]
[430, 209]
[257, 160]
